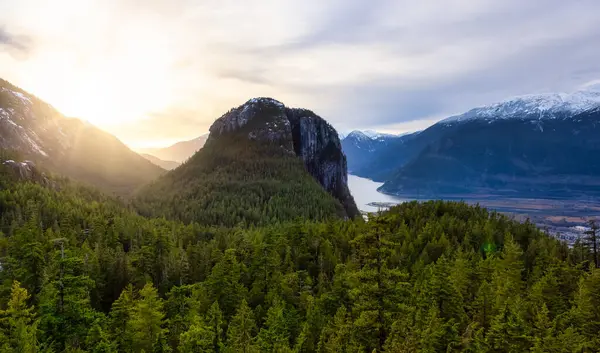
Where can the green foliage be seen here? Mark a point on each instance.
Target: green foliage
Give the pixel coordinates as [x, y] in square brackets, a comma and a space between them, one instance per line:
[18, 323]
[274, 336]
[241, 331]
[239, 181]
[95, 276]
[147, 319]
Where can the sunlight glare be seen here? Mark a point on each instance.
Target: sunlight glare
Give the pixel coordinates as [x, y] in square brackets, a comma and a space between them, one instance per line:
[122, 85]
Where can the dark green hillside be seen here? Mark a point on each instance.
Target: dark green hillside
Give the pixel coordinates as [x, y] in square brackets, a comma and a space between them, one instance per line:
[232, 181]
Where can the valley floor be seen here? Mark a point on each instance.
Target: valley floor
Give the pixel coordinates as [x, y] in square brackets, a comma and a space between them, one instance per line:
[565, 218]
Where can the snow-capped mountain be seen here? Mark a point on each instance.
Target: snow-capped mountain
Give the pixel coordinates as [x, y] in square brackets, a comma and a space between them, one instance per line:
[362, 146]
[537, 145]
[535, 106]
[544, 144]
[36, 131]
[378, 135]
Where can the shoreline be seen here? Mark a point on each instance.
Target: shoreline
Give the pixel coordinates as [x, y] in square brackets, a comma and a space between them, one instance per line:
[562, 217]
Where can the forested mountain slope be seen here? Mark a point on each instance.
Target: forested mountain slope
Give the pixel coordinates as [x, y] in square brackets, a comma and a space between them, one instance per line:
[543, 145]
[68, 146]
[262, 163]
[81, 272]
[547, 157]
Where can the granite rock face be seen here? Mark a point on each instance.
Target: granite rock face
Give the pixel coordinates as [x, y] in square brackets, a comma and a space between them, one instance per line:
[297, 131]
[27, 171]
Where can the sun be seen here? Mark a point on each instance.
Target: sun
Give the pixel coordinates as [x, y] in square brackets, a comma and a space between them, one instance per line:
[107, 97]
[125, 85]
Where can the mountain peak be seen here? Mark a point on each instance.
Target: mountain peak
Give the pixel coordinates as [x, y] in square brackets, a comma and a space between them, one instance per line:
[266, 101]
[259, 118]
[370, 134]
[358, 135]
[534, 106]
[295, 131]
[265, 154]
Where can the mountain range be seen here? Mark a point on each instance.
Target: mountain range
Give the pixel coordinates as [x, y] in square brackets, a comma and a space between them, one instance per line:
[263, 162]
[536, 145]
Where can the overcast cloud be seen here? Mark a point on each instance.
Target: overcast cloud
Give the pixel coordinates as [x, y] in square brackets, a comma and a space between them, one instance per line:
[382, 64]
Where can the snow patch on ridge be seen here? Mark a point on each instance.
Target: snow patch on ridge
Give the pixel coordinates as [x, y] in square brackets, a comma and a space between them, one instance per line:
[540, 106]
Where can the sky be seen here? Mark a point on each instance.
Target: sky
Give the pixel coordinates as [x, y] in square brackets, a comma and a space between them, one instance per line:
[158, 71]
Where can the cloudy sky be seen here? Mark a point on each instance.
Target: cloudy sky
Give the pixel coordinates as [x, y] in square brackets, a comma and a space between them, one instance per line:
[157, 71]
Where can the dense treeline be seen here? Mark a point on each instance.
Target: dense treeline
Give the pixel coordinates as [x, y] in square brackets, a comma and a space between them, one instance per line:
[233, 182]
[81, 272]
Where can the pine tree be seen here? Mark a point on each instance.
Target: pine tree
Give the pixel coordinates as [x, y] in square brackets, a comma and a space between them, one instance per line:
[316, 319]
[507, 279]
[586, 308]
[274, 335]
[591, 240]
[180, 309]
[66, 313]
[241, 331]
[214, 319]
[510, 331]
[99, 341]
[378, 289]
[335, 337]
[19, 326]
[199, 338]
[147, 319]
[225, 284]
[483, 305]
[161, 345]
[120, 317]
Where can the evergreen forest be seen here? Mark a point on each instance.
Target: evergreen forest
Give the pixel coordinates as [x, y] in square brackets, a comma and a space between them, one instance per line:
[84, 272]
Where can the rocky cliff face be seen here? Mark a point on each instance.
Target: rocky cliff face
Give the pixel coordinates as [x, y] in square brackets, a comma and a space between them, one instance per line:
[27, 171]
[297, 131]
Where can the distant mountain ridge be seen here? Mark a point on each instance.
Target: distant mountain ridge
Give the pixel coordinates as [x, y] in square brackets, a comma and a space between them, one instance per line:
[68, 146]
[537, 145]
[363, 147]
[551, 158]
[534, 106]
[168, 165]
[178, 152]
